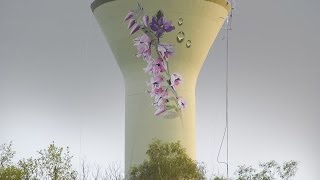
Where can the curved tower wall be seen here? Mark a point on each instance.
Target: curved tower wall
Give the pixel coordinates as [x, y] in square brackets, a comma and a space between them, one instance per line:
[202, 20]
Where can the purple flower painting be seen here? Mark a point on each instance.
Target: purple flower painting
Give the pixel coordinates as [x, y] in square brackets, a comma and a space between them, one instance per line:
[159, 25]
[162, 85]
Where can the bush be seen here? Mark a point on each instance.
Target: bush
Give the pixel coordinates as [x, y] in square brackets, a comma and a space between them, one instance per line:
[268, 171]
[11, 173]
[53, 163]
[6, 155]
[167, 161]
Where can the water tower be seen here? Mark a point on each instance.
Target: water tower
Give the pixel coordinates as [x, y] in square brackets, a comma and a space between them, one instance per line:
[201, 22]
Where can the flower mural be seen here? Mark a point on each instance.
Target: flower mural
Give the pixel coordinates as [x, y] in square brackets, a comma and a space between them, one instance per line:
[159, 25]
[162, 85]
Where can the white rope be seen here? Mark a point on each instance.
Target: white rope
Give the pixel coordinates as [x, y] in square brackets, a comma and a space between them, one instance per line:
[226, 129]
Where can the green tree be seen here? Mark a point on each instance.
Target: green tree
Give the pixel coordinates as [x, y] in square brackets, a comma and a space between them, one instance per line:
[6, 154]
[268, 171]
[219, 178]
[7, 170]
[11, 173]
[30, 168]
[167, 161]
[55, 163]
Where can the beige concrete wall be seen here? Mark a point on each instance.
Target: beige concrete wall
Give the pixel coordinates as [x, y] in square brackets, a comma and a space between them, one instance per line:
[202, 21]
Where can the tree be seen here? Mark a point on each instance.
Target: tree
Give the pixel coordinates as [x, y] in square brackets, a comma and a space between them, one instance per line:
[30, 168]
[167, 161]
[7, 170]
[6, 154]
[11, 173]
[53, 163]
[219, 178]
[113, 172]
[268, 171]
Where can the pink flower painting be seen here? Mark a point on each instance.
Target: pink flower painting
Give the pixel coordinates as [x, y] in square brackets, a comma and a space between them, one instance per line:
[162, 85]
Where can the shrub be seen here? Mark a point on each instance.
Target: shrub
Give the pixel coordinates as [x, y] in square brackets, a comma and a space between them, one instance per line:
[167, 161]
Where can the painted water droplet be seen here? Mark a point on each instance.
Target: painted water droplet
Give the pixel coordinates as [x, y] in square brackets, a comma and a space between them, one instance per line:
[180, 36]
[188, 44]
[180, 21]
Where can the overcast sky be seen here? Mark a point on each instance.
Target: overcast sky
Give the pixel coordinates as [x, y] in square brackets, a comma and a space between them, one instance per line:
[54, 85]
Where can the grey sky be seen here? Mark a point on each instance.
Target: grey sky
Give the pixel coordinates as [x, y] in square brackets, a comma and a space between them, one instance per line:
[55, 69]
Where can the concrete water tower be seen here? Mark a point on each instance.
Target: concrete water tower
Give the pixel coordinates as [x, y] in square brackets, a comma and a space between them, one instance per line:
[202, 20]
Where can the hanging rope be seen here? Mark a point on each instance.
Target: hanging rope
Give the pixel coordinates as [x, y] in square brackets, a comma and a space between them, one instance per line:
[226, 129]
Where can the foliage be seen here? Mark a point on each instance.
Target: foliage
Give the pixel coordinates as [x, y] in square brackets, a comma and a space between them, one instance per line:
[53, 163]
[30, 168]
[7, 170]
[167, 161]
[268, 171]
[219, 178]
[11, 173]
[6, 154]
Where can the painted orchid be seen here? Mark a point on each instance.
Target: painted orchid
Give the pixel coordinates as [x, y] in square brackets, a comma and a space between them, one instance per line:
[134, 28]
[145, 20]
[162, 84]
[160, 111]
[161, 101]
[165, 51]
[129, 15]
[131, 23]
[143, 44]
[157, 91]
[181, 103]
[160, 25]
[175, 80]
[156, 67]
[155, 80]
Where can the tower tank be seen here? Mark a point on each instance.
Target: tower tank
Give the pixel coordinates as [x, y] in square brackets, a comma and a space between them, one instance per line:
[201, 22]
